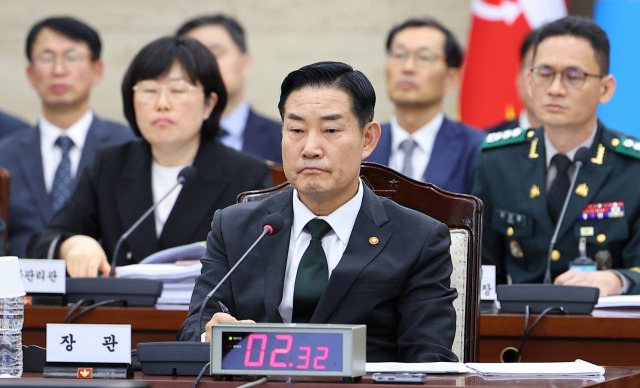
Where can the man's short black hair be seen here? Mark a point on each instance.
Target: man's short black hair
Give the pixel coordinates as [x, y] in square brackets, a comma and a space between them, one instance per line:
[336, 75]
[580, 27]
[452, 49]
[156, 58]
[230, 24]
[72, 28]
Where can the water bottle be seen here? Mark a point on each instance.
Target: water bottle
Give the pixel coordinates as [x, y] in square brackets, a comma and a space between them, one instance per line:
[11, 320]
[11, 317]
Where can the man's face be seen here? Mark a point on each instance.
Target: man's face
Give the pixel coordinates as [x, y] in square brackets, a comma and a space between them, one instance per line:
[61, 70]
[323, 146]
[559, 104]
[417, 72]
[235, 65]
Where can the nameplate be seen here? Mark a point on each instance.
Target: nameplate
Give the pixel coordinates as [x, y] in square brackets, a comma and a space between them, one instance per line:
[488, 283]
[44, 276]
[88, 343]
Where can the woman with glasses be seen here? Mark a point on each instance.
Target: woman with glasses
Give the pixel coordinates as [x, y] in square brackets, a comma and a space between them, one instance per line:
[173, 98]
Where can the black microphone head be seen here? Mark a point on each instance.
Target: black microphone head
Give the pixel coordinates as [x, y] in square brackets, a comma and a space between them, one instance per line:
[582, 155]
[187, 175]
[274, 221]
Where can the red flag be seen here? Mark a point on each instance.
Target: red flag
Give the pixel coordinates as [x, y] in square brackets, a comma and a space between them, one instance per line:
[488, 93]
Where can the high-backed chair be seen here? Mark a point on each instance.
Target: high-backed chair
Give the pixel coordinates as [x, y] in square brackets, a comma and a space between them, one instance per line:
[462, 213]
[4, 205]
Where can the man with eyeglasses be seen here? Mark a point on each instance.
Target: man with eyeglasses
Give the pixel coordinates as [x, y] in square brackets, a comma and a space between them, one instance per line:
[243, 128]
[423, 66]
[524, 176]
[44, 161]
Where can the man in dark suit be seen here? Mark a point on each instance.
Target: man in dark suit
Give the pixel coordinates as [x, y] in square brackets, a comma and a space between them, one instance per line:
[244, 129]
[375, 262]
[64, 64]
[527, 118]
[524, 176]
[423, 65]
[10, 124]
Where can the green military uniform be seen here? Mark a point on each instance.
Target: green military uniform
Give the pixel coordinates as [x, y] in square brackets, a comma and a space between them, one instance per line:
[604, 206]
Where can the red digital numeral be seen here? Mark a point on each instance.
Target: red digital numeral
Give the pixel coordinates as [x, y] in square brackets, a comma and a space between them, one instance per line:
[325, 354]
[272, 360]
[263, 345]
[305, 357]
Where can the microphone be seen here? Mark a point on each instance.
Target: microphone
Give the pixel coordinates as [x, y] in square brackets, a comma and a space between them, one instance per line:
[272, 225]
[134, 292]
[189, 358]
[571, 299]
[186, 176]
[580, 158]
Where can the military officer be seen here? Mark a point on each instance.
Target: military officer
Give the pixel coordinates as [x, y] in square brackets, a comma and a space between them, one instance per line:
[520, 172]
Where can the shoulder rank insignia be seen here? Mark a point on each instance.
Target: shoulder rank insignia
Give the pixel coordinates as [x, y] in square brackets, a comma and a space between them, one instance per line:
[502, 138]
[628, 146]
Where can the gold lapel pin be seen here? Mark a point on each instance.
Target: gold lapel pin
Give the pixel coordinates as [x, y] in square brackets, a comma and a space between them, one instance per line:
[373, 240]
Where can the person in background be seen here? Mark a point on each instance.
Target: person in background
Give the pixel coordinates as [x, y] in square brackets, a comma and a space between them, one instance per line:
[173, 98]
[243, 128]
[45, 161]
[10, 124]
[344, 255]
[423, 66]
[524, 176]
[527, 118]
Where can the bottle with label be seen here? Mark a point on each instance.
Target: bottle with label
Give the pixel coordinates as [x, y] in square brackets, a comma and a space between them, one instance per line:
[11, 317]
[11, 320]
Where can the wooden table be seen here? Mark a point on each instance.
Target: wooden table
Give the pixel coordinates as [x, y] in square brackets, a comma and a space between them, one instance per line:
[604, 338]
[614, 377]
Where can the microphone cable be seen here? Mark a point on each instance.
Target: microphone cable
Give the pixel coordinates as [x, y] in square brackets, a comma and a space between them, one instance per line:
[512, 354]
[69, 319]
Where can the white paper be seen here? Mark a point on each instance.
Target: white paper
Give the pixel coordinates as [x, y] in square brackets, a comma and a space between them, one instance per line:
[619, 301]
[488, 283]
[417, 367]
[576, 368]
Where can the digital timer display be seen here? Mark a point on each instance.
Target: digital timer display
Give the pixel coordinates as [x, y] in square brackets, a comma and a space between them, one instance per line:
[267, 351]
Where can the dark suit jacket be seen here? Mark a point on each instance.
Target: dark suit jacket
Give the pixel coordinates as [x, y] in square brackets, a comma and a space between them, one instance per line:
[116, 190]
[263, 137]
[10, 124]
[517, 228]
[30, 207]
[398, 287]
[453, 159]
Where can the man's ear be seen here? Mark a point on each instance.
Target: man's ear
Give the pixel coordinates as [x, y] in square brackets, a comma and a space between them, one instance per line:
[371, 134]
[607, 89]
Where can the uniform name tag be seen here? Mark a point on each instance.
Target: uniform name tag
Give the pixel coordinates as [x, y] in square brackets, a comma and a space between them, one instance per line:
[511, 218]
[44, 276]
[89, 343]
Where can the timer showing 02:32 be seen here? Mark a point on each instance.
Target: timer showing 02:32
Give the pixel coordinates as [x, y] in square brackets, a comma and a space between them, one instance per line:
[281, 351]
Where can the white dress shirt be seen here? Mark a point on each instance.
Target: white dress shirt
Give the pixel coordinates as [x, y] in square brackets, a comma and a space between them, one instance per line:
[334, 243]
[425, 137]
[52, 154]
[162, 180]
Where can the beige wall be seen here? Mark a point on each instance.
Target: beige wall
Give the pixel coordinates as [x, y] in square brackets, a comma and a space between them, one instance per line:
[283, 35]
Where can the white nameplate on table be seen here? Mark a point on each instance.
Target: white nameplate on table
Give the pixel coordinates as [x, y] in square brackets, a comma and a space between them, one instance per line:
[44, 276]
[488, 283]
[88, 343]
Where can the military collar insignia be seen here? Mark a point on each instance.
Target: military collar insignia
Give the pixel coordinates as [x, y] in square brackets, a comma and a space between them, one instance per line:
[506, 137]
[627, 146]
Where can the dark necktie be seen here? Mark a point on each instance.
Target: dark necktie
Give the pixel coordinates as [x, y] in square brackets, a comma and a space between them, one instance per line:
[313, 273]
[61, 188]
[559, 186]
[407, 147]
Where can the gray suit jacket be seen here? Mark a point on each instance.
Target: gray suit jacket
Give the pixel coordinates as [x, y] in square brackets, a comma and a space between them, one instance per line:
[399, 287]
[30, 207]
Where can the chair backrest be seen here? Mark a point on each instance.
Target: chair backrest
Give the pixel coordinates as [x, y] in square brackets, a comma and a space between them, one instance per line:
[4, 205]
[462, 213]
